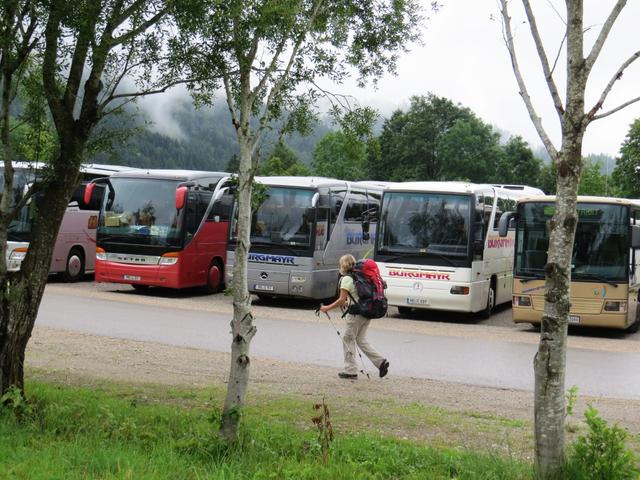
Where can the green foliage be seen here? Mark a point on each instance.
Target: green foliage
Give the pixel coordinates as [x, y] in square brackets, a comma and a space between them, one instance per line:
[282, 161]
[518, 164]
[626, 175]
[592, 182]
[14, 401]
[435, 139]
[469, 150]
[340, 155]
[571, 397]
[601, 454]
[123, 433]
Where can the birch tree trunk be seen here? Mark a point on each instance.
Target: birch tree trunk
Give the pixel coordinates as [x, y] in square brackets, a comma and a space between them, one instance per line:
[242, 328]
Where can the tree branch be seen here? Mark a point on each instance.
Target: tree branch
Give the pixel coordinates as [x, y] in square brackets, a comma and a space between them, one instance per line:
[537, 122]
[617, 76]
[604, 33]
[542, 55]
[614, 110]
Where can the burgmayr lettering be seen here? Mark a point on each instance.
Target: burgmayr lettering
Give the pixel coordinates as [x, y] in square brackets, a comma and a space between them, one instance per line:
[256, 257]
[425, 275]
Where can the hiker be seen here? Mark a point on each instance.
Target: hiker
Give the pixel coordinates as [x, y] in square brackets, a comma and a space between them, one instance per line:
[357, 325]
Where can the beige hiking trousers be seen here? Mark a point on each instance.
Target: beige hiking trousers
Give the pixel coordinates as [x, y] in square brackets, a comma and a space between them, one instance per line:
[356, 334]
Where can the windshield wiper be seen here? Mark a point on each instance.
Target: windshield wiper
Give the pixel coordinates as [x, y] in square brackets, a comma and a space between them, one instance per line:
[534, 276]
[591, 276]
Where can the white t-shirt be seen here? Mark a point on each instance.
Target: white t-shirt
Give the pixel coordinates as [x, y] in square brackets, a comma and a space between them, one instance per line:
[347, 283]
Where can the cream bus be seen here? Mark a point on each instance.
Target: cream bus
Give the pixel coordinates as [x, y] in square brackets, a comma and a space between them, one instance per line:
[438, 246]
[604, 266]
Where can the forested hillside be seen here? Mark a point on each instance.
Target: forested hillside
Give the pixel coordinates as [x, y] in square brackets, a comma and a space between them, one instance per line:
[197, 139]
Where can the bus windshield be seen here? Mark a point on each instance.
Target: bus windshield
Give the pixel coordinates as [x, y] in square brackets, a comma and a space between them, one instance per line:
[418, 223]
[600, 249]
[141, 211]
[20, 227]
[284, 218]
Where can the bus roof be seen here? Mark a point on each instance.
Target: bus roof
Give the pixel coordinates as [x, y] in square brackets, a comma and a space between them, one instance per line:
[583, 199]
[166, 174]
[456, 187]
[103, 168]
[308, 182]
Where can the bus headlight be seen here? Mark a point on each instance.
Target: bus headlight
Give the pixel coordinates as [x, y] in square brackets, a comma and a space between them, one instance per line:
[18, 254]
[521, 301]
[615, 306]
[170, 258]
[458, 290]
[101, 254]
[298, 279]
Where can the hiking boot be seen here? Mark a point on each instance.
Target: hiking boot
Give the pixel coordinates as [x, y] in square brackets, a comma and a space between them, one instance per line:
[384, 368]
[350, 376]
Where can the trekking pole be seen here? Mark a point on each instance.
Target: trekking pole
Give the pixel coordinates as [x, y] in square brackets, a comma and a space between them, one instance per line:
[363, 370]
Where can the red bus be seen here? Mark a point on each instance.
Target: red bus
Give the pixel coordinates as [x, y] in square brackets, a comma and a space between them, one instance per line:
[165, 228]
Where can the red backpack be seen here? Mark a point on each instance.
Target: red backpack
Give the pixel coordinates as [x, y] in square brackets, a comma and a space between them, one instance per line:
[370, 287]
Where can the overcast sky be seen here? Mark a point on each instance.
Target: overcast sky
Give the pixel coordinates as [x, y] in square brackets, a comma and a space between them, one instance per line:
[464, 58]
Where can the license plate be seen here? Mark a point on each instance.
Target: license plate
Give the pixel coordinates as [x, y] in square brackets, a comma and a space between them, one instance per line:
[574, 319]
[417, 301]
[135, 278]
[264, 288]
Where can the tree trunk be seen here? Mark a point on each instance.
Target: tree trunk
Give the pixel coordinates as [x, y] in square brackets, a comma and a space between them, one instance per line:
[242, 328]
[23, 290]
[550, 360]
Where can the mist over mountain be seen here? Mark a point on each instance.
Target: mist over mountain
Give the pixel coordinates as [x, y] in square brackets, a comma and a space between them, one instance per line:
[177, 135]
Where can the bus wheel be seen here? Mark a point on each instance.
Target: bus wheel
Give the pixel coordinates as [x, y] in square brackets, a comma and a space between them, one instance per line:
[215, 281]
[74, 269]
[405, 310]
[635, 326]
[491, 302]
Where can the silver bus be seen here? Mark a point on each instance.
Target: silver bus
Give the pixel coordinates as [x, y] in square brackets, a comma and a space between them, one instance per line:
[301, 229]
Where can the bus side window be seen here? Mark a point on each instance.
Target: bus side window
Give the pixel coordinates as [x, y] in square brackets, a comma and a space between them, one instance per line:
[197, 203]
[504, 205]
[356, 206]
[373, 205]
[221, 210]
[337, 199]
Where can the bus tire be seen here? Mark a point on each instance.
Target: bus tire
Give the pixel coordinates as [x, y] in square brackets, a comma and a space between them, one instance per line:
[491, 302]
[215, 278]
[74, 268]
[635, 326]
[405, 311]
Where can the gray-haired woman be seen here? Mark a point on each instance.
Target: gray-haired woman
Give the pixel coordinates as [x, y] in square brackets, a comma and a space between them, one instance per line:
[357, 325]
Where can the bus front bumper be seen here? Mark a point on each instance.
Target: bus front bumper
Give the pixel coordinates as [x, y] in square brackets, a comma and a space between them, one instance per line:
[152, 275]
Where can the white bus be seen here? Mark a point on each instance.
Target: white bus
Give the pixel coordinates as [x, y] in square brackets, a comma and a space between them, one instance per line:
[74, 251]
[301, 230]
[438, 246]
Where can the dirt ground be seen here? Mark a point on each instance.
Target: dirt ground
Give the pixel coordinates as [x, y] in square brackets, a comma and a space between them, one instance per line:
[74, 357]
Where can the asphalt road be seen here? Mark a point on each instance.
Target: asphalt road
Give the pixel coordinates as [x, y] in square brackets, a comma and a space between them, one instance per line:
[503, 360]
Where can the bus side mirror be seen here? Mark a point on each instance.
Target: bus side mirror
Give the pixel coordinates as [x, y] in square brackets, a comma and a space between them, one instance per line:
[635, 236]
[88, 191]
[503, 223]
[181, 197]
[220, 193]
[365, 229]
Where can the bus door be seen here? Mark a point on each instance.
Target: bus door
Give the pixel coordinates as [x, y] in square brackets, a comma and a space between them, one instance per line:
[194, 256]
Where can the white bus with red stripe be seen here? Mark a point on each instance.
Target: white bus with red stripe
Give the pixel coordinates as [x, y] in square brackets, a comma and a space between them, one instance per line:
[438, 246]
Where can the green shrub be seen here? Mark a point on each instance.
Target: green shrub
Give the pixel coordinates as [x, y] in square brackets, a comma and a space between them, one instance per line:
[601, 454]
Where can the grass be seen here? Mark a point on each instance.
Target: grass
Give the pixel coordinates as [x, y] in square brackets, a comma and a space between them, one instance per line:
[119, 431]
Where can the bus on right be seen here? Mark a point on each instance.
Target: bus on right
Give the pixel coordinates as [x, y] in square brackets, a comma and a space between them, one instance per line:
[605, 280]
